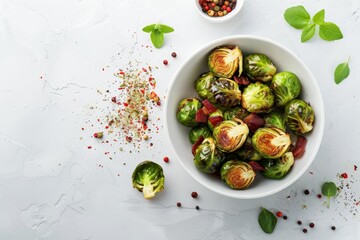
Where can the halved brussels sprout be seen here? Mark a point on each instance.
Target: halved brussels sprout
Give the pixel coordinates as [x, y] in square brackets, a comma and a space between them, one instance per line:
[214, 119]
[275, 119]
[202, 85]
[198, 131]
[258, 67]
[271, 142]
[230, 135]
[236, 112]
[224, 61]
[225, 92]
[278, 168]
[285, 86]
[257, 97]
[148, 178]
[300, 116]
[237, 174]
[187, 111]
[207, 158]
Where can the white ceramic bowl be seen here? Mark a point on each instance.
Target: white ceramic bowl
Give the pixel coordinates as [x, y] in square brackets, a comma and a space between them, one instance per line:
[182, 86]
[227, 17]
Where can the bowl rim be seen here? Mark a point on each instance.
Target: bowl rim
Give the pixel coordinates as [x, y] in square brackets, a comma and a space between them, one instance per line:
[227, 17]
[321, 111]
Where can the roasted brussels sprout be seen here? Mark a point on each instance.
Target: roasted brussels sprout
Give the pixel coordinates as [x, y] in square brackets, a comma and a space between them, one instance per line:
[257, 97]
[214, 119]
[299, 116]
[285, 86]
[258, 67]
[207, 158]
[271, 142]
[225, 92]
[237, 174]
[198, 131]
[236, 112]
[202, 85]
[224, 61]
[187, 111]
[275, 119]
[278, 168]
[230, 135]
[148, 178]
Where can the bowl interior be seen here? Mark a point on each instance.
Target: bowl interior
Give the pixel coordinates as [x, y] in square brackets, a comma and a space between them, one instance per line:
[182, 86]
[236, 10]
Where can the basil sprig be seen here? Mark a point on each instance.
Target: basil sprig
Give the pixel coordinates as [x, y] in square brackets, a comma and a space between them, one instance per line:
[342, 71]
[267, 221]
[329, 190]
[157, 33]
[299, 18]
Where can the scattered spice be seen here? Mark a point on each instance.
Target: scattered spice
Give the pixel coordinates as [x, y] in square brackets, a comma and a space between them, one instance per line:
[173, 54]
[312, 225]
[113, 99]
[299, 222]
[197, 208]
[217, 8]
[178, 204]
[165, 62]
[333, 228]
[306, 192]
[319, 196]
[285, 217]
[344, 175]
[304, 230]
[194, 194]
[279, 214]
[89, 147]
[166, 159]
[355, 167]
[98, 135]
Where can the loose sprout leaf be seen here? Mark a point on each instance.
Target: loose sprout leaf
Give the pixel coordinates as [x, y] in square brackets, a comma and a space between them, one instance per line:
[308, 32]
[329, 190]
[149, 28]
[267, 221]
[297, 17]
[157, 38]
[319, 17]
[342, 71]
[330, 31]
[165, 28]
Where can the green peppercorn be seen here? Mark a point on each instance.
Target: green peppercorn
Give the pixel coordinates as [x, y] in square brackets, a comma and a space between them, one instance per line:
[216, 1]
[216, 9]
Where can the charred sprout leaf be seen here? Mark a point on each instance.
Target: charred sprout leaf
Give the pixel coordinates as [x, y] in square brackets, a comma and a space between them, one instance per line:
[285, 86]
[187, 111]
[278, 168]
[267, 221]
[148, 178]
[275, 119]
[299, 116]
[198, 131]
[224, 92]
[319, 17]
[247, 152]
[258, 67]
[329, 190]
[236, 112]
[224, 61]
[207, 158]
[257, 97]
[308, 32]
[230, 135]
[297, 17]
[202, 85]
[271, 143]
[342, 71]
[330, 31]
[237, 174]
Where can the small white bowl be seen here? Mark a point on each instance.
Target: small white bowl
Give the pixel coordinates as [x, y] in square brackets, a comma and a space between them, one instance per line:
[182, 86]
[227, 17]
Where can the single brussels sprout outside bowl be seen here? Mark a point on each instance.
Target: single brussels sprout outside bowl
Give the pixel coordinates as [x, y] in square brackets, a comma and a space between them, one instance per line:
[182, 86]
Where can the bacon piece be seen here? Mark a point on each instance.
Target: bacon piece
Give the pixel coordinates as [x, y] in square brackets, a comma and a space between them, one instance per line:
[215, 120]
[242, 80]
[201, 116]
[254, 122]
[196, 144]
[300, 146]
[256, 166]
[211, 108]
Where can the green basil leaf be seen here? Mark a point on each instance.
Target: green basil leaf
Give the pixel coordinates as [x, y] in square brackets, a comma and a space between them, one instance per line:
[157, 38]
[165, 29]
[297, 17]
[329, 189]
[342, 71]
[267, 221]
[149, 28]
[319, 17]
[308, 32]
[330, 31]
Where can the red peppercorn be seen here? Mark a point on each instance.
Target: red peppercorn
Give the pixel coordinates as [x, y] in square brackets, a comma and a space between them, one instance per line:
[213, 4]
[165, 62]
[194, 195]
[319, 195]
[306, 192]
[197, 208]
[223, 7]
[113, 99]
[228, 9]
[344, 175]
[178, 204]
[333, 228]
[173, 54]
[279, 214]
[312, 225]
[166, 159]
[305, 230]
[206, 8]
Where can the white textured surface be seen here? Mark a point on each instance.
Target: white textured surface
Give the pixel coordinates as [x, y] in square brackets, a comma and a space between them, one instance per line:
[51, 185]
